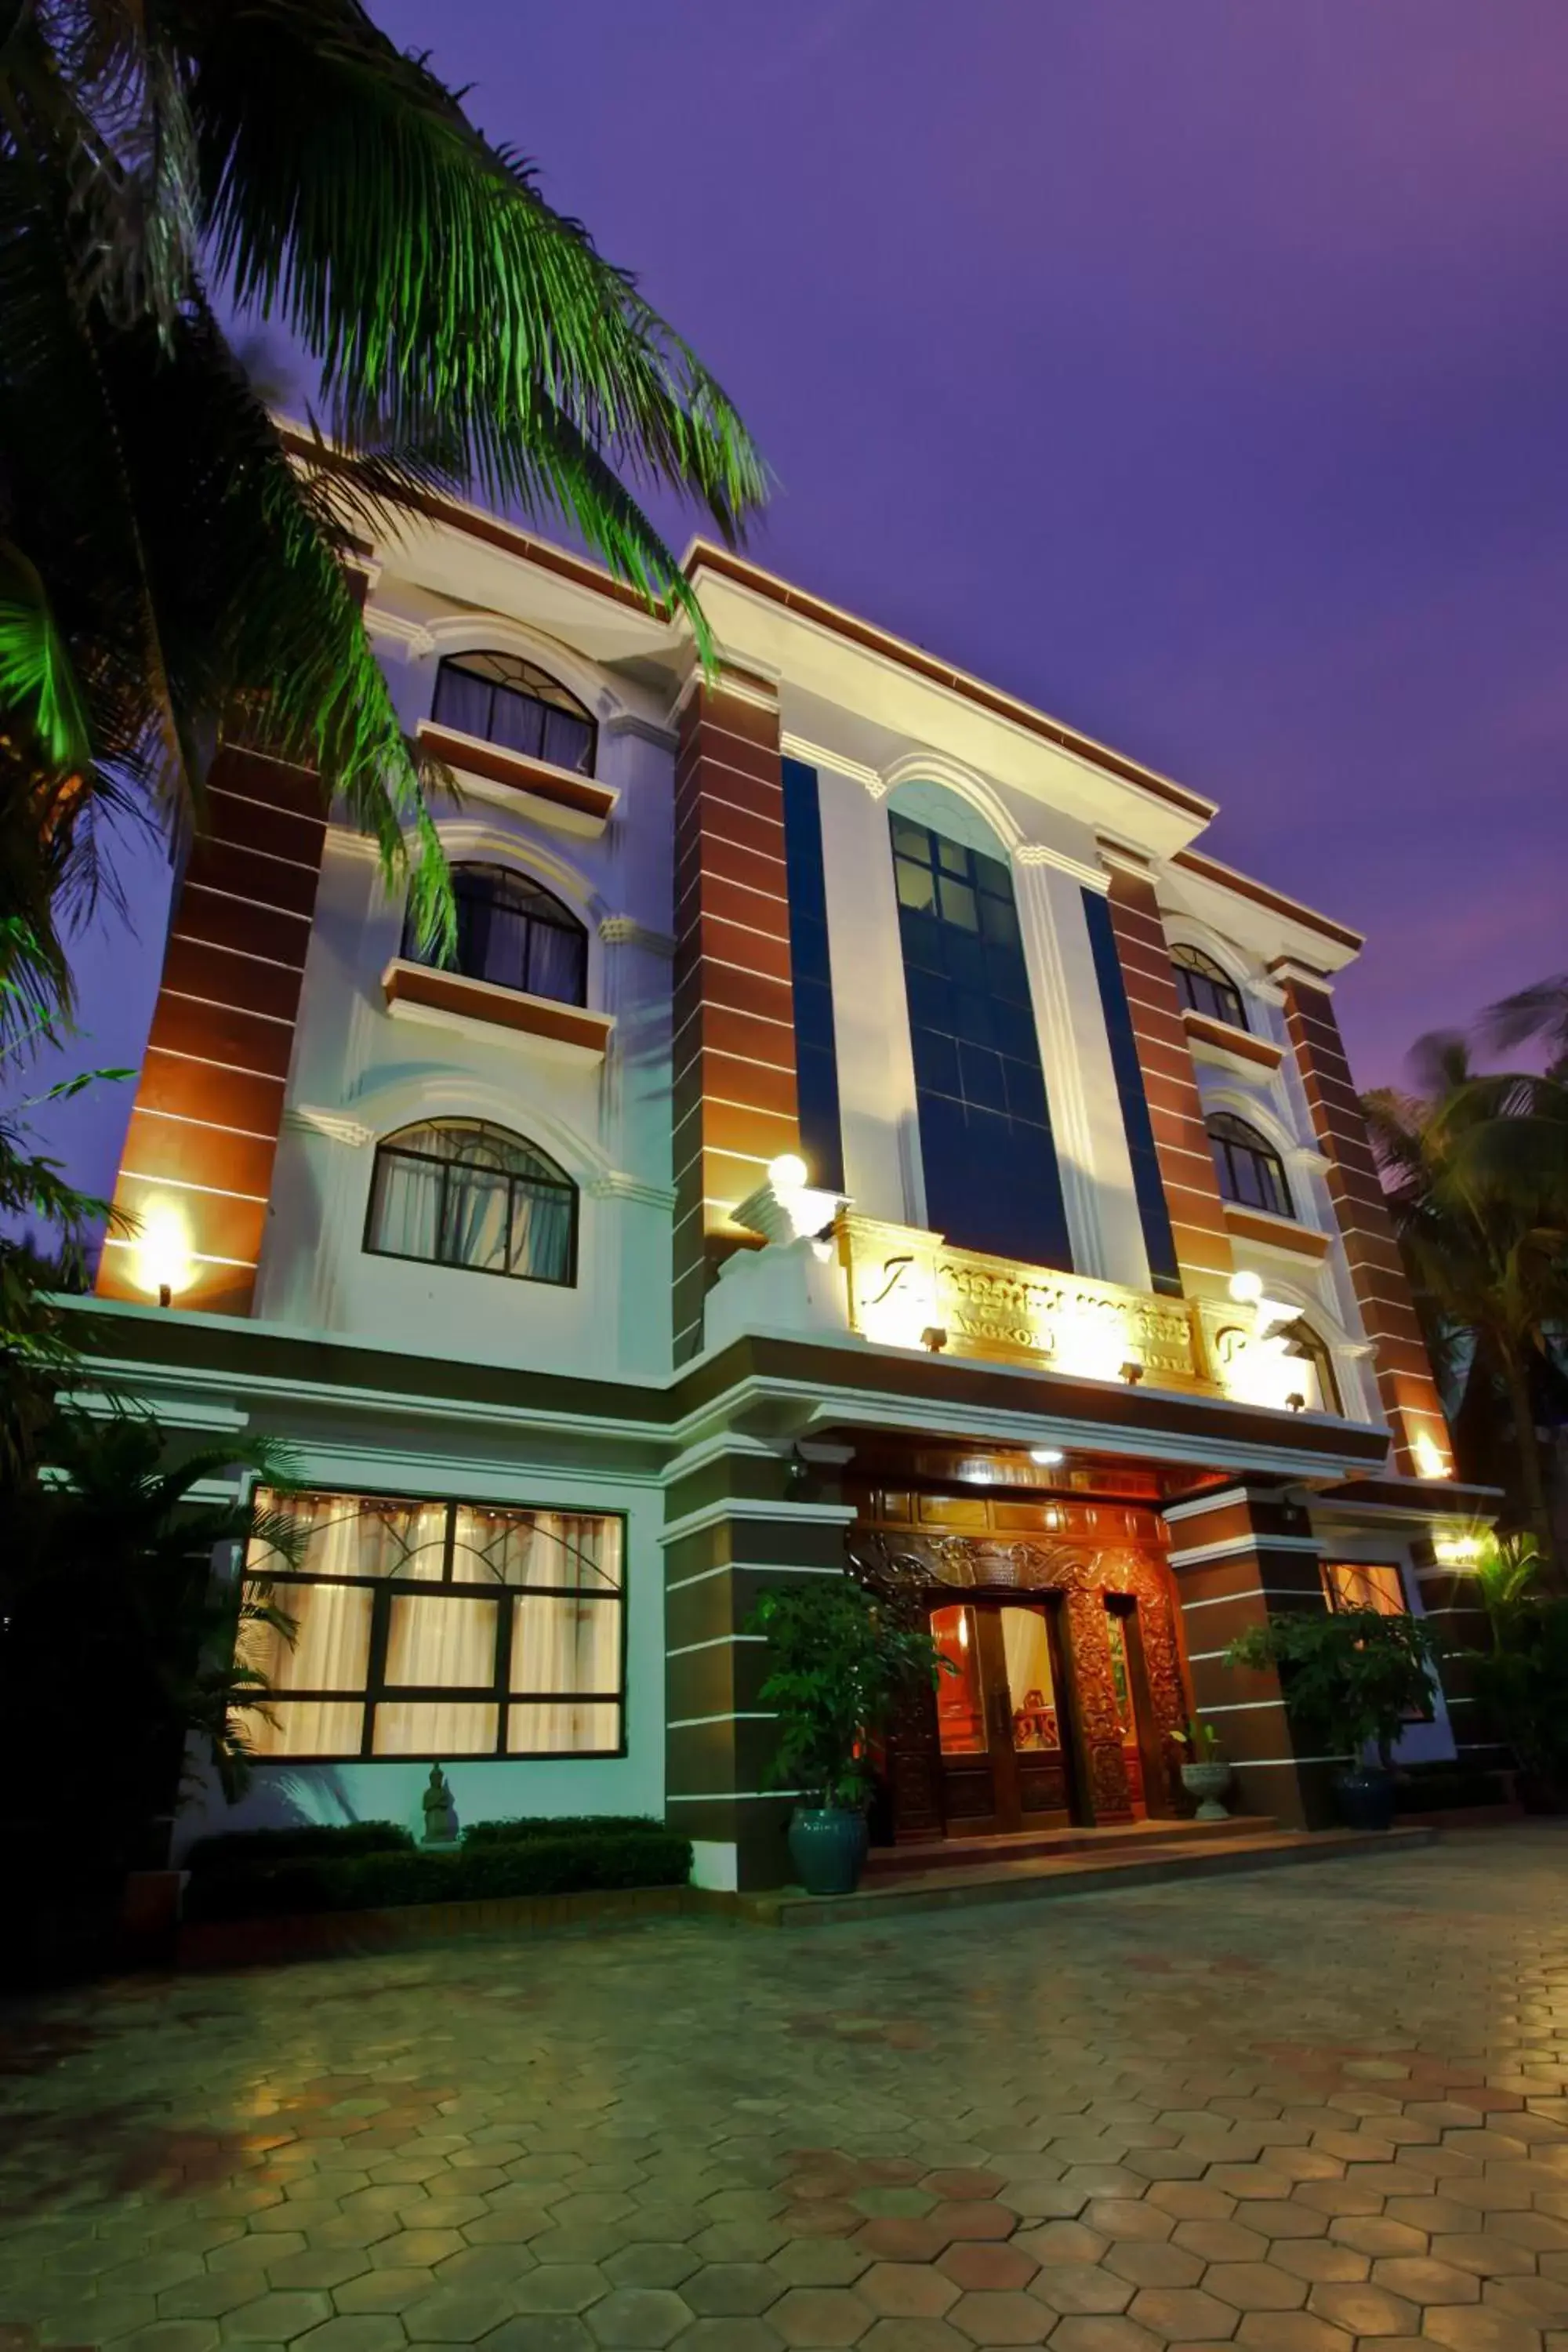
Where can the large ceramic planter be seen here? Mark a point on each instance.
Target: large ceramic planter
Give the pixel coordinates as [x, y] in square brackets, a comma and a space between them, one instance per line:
[1365, 1797]
[1208, 1783]
[827, 1846]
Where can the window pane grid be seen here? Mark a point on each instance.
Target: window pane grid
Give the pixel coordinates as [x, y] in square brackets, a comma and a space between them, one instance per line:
[464, 1195]
[494, 1665]
[1205, 988]
[503, 699]
[512, 933]
[991, 1176]
[1250, 1172]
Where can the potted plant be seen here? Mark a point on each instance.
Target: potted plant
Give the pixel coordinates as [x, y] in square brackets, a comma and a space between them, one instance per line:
[1351, 1677]
[1205, 1774]
[841, 1658]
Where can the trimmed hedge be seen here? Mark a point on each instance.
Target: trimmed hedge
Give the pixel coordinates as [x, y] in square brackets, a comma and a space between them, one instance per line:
[572, 1865]
[246, 1848]
[541, 1826]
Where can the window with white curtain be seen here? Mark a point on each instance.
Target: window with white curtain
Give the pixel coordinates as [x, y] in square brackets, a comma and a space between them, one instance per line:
[462, 1193]
[435, 1630]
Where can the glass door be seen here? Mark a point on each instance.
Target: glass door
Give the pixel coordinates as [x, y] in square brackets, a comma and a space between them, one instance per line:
[1006, 1754]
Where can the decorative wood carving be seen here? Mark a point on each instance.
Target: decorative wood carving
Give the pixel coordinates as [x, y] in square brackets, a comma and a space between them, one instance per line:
[905, 1570]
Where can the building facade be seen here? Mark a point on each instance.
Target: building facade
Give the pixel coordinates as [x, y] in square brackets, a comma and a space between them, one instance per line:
[862, 1127]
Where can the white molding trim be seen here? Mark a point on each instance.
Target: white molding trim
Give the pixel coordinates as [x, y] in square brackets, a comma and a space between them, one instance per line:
[615, 1186]
[1233, 1547]
[335, 1125]
[1042, 853]
[1287, 967]
[747, 1568]
[1246, 1592]
[737, 1715]
[719, 1642]
[412, 636]
[746, 1507]
[626, 931]
[1224, 1497]
[838, 763]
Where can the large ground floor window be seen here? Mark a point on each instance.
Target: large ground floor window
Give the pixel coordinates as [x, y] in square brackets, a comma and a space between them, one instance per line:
[435, 1630]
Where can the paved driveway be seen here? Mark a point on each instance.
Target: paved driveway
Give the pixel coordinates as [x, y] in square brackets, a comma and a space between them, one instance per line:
[1285, 2111]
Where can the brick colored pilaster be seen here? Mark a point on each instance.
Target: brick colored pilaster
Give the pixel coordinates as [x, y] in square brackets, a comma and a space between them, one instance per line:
[1240, 1557]
[734, 1067]
[209, 1103]
[1406, 1384]
[1451, 1598]
[721, 1554]
[1170, 1082]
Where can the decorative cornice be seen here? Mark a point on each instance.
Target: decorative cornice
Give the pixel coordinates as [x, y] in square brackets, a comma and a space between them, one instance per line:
[626, 931]
[816, 755]
[645, 730]
[745, 685]
[413, 635]
[1122, 859]
[615, 1186]
[1288, 968]
[335, 1125]
[1042, 853]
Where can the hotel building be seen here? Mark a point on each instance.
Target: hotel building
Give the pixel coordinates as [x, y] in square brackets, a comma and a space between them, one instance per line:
[863, 1127]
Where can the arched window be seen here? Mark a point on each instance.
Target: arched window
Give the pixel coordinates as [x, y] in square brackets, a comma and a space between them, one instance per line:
[1205, 988]
[1319, 1391]
[507, 700]
[457, 1191]
[1248, 1168]
[514, 933]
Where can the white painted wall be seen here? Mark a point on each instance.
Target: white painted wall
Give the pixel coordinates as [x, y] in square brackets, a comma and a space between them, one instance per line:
[870, 1014]
[359, 1072]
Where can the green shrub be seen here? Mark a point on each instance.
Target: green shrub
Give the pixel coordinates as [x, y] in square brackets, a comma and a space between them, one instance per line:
[541, 1826]
[244, 1847]
[571, 1865]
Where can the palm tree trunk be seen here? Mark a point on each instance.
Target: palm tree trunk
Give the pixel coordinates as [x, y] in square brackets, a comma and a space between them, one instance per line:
[1532, 1479]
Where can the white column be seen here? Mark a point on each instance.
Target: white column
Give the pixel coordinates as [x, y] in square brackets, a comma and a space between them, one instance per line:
[871, 1013]
[1103, 1223]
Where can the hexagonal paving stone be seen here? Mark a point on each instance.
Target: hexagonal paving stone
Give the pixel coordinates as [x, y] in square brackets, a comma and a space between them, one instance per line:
[650, 2263]
[365, 2331]
[817, 2315]
[456, 2314]
[1001, 2318]
[559, 2286]
[1365, 2310]
[1183, 2315]
[275, 2318]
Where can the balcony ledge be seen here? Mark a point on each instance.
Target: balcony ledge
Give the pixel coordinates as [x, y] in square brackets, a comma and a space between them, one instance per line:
[556, 796]
[1269, 1232]
[563, 1033]
[1230, 1048]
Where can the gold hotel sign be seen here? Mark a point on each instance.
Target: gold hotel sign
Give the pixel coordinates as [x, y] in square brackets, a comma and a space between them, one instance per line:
[906, 1287]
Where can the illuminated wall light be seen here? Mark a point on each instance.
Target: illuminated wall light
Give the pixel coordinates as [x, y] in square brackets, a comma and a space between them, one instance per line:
[1246, 1287]
[1458, 1551]
[809, 1211]
[162, 1259]
[1048, 1456]
[1431, 1461]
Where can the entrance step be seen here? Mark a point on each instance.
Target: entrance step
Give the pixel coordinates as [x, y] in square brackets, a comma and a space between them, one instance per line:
[1109, 1863]
[886, 1862]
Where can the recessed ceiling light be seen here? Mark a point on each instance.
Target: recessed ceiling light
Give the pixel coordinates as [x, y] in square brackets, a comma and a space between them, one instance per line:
[1048, 1456]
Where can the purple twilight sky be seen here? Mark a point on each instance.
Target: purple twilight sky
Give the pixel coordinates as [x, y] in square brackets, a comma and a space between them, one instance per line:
[1197, 368]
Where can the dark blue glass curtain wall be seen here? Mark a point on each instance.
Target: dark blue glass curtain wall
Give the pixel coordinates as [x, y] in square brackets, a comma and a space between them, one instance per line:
[991, 1176]
[1153, 1214]
[816, 1053]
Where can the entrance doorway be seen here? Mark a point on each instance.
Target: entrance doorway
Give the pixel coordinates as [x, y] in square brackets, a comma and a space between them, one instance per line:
[1005, 1742]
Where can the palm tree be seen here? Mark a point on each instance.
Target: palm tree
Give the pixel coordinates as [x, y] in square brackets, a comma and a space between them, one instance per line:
[119, 1649]
[1538, 1010]
[1475, 1166]
[174, 567]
